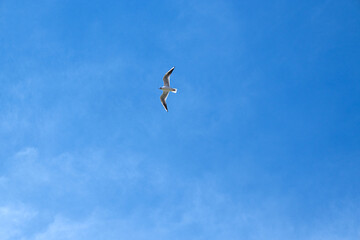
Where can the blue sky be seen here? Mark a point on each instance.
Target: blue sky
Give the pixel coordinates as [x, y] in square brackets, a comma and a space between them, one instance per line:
[262, 140]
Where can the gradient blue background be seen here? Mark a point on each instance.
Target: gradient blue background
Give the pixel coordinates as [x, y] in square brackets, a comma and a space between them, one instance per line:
[262, 140]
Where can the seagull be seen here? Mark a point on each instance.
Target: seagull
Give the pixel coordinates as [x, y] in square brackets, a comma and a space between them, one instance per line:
[166, 88]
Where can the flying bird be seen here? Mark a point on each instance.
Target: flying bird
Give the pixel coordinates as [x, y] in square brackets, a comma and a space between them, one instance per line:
[166, 88]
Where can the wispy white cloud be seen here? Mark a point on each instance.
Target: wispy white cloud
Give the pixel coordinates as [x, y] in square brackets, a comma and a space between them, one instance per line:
[13, 220]
[154, 203]
[189, 206]
[62, 228]
[69, 172]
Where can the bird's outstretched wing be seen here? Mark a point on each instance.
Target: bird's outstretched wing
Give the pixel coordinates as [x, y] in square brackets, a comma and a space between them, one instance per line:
[163, 98]
[166, 78]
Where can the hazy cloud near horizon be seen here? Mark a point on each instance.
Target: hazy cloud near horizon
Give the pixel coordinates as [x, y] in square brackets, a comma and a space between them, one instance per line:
[193, 207]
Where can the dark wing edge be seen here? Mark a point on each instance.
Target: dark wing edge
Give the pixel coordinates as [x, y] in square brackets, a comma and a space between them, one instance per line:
[166, 77]
[163, 99]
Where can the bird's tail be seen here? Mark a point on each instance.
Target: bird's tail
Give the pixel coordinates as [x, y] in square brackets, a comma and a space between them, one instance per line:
[174, 90]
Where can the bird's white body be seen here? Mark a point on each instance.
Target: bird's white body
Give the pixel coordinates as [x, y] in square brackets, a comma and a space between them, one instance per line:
[166, 88]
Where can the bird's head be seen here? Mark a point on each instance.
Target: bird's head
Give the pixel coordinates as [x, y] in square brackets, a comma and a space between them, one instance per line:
[160, 88]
